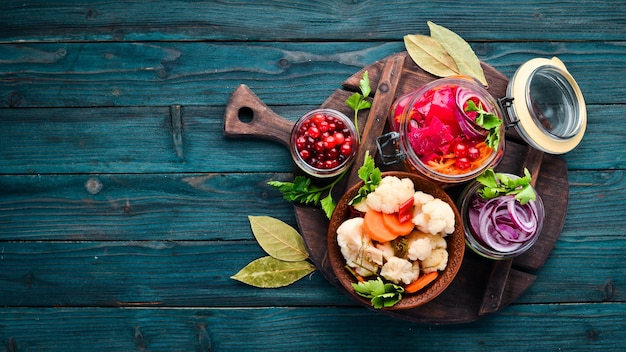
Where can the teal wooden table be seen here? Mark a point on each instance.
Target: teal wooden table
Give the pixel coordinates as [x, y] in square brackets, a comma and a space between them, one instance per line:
[124, 209]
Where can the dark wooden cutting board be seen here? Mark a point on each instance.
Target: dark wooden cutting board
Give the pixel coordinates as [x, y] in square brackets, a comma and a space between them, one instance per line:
[482, 286]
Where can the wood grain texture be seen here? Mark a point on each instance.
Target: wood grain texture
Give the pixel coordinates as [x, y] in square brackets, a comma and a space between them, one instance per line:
[205, 73]
[143, 207]
[571, 327]
[90, 96]
[304, 20]
[70, 140]
[194, 272]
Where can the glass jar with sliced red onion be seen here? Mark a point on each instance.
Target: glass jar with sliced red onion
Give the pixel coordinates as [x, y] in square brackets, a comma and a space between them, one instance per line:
[500, 227]
[442, 131]
[324, 143]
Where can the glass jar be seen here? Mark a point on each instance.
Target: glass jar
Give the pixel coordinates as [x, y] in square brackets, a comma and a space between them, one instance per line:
[482, 234]
[434, 130]
[546, 106]
[324, 143]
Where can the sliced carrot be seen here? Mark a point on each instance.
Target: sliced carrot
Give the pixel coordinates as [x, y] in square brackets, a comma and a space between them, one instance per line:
[393, 224]
[375, 228]
[421, 282]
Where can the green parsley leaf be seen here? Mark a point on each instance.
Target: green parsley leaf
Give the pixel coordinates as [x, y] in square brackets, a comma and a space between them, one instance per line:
[358, 101]
[364, 84]
[488, 121]
[498, 184]
[381, 294]
[300, 190]
[328, 205]
[371, 176]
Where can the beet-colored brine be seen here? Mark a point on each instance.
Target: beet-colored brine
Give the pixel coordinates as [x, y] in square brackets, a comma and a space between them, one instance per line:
[450, 128]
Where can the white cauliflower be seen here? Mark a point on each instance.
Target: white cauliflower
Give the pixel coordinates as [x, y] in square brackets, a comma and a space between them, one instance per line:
[361, 206]
[438, 241]
[437, 261]
[399, 270]
[419, 199]
[387, 249]
[357, 248]
[435, 217]
[420, 246]
[373, 254]
[390, 194]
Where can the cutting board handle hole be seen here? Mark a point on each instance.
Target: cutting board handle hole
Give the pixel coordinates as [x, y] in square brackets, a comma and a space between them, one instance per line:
[245, 114]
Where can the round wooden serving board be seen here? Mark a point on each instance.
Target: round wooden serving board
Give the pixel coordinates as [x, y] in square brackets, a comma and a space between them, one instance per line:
[482, 286]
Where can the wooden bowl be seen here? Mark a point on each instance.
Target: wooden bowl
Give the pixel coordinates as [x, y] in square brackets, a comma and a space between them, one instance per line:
[455, 244]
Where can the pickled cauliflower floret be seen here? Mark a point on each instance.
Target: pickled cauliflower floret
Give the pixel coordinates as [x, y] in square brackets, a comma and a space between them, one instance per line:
[438, 241]
[435, 217]
[390, 194]
[419, 199]
[361, 206]
[437, 261]
[387, 249]
[398, 270]
[420, 246]
[357, 248]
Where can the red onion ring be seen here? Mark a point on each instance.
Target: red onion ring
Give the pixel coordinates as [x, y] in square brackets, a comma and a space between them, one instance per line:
[468, 126]
[502, 223]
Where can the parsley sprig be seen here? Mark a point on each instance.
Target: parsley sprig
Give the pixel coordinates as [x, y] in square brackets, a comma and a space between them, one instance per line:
[358, 101]
[302, 190]
[371, 176]
[498, 184]
[488, 121]
[381, 294]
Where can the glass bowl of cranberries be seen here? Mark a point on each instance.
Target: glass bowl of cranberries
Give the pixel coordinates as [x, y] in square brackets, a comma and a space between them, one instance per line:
[324, 143]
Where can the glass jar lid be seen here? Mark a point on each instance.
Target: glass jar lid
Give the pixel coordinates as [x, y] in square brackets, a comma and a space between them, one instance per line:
[548, 108]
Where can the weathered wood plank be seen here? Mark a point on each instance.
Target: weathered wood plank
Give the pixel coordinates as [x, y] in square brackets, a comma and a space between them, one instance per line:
[571, 328]
[155, 255]
[193, 207]
[205, 73]
[197, 274]
[127, 207]
[145, 273]
[321, 20]
[80, 140]
[131, 140]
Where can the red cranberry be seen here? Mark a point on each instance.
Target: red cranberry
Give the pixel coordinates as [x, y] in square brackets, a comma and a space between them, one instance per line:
[323, 126]
[339, 138]
[332, 153]
[305, 154]
[318, 118]
[462, 163]
[301, 142]
[473, 153]
[460, 150]
[330, 142]
[346, 149]
[320, 147]
[314, 132]
[324, 141]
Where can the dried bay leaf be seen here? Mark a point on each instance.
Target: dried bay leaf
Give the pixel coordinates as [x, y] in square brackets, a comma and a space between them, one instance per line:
[278, 239]
[428, 54]
[269, 272]
[462, 53]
